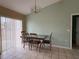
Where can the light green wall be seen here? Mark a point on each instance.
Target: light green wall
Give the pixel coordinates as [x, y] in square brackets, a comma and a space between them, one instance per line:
[55, 18]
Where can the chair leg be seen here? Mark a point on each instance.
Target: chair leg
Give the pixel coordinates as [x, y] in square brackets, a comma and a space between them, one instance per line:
[30, 46]
[50, 46]
[24, 45]
[37, 46]
[40, 46]
[43, 45]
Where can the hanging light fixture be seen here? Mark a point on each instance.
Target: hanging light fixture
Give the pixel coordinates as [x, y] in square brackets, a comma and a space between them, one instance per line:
[36, 8]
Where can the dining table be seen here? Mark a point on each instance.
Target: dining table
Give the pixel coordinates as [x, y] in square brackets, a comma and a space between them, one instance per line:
[34, 39]
[37, 37]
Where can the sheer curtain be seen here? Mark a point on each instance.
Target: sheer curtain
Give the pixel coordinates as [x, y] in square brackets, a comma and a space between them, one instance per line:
[11, 31]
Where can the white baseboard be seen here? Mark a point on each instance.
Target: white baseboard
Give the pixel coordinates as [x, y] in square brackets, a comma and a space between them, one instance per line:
[61, 47]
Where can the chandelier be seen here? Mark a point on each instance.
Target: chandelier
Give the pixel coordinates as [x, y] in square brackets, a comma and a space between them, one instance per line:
[36, 8]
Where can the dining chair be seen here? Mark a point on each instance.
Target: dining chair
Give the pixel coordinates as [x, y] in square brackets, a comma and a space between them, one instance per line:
[33, 42]
[49, 41]
[24, 38]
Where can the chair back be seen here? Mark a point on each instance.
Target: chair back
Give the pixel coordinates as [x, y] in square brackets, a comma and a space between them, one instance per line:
[50, 37]
[24, 35]
[33, 33]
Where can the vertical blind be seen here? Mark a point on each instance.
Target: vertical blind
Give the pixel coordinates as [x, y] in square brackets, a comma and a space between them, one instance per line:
[11, 30]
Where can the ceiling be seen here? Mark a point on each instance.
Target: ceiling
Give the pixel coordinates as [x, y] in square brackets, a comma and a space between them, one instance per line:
[25, 6]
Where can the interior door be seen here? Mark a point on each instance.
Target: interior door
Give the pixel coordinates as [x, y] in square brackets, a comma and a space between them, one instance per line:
[77, 30]
[73, 30]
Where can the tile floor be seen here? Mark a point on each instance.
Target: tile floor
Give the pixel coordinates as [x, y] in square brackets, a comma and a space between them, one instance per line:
[55, 53]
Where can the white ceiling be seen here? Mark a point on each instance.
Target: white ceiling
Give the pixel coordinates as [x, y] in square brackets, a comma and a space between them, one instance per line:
[24, 6]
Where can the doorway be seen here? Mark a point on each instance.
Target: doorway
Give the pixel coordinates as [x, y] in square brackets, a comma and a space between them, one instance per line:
[75, 31]
[11, 32]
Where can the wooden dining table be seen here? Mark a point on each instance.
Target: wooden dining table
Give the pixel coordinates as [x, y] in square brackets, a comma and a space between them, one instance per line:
[38, 37]
[34, 39]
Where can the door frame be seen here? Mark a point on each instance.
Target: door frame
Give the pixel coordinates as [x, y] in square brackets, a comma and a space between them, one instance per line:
[0, 38]
[71, 29]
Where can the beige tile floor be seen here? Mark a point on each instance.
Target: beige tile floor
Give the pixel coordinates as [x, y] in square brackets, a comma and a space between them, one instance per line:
[55, 53]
